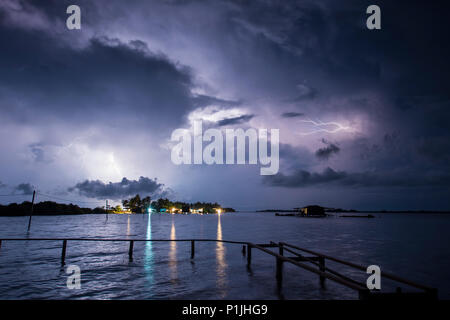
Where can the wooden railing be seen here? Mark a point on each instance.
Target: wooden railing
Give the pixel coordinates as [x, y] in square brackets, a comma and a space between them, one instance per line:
[315, 263]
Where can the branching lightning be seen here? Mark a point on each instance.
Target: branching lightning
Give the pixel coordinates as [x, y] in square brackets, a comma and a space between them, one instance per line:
[322, 127]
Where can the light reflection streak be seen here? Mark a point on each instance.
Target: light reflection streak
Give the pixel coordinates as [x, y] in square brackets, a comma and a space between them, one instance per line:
[148, 253]
[220, 261]
[128, 226]
[173, 254]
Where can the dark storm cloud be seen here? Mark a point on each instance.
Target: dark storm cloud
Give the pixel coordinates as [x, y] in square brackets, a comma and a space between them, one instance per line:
[318, 39]
[328, 151]
[108, 79]
[437, 149]
[24, 188]
[331, 40]
[303, 178]
[292, 114]
[236, 120]
[37, 152]
[388, 55]
[402, 178]
[293, 158]
[117, 190]
[427, 115]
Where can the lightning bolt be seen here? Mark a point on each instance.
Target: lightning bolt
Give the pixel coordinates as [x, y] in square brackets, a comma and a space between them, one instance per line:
[338, 127]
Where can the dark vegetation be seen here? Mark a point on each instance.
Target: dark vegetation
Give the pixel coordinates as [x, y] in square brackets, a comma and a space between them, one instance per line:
[208, 207]
[45, 208]
[135, 205]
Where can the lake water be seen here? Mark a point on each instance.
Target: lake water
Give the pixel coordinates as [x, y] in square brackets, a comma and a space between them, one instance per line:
[413, 246]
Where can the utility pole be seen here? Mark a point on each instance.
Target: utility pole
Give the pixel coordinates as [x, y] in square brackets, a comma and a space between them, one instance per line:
[31, 212]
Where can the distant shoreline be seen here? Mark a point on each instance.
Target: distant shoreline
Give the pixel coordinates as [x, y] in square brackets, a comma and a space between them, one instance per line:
[366, 211]
[50, 208]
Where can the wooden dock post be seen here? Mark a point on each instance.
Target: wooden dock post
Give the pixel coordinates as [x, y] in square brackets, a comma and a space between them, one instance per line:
[130, 251]
[322, 268]
[243, 250]
[63, 253]
[0, 244]
[192, 249]
[249, 255]
[31, 211]
[279, 274]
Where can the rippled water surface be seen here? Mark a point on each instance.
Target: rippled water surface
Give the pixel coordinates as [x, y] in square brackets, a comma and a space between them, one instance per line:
[414, 246]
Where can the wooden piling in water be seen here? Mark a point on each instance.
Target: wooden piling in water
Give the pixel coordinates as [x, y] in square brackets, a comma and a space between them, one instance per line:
[31, 211]
[322, 268]
[130, 251]
[243, 250]
[249, 255]
[279, 267]
[279, 272]
[63, 253]
[192, 249]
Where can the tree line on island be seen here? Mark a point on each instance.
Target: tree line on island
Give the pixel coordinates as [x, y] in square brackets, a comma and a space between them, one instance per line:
[135, 204]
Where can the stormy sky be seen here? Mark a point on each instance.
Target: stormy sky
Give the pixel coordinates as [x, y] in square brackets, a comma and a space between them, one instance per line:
[86, 115]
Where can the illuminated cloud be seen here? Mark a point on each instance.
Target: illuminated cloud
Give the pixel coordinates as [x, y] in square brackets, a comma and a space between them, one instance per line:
[220, 116]
[118, 190]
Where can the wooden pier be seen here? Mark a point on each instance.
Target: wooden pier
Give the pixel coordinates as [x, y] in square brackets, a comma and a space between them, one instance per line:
[313, 262]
